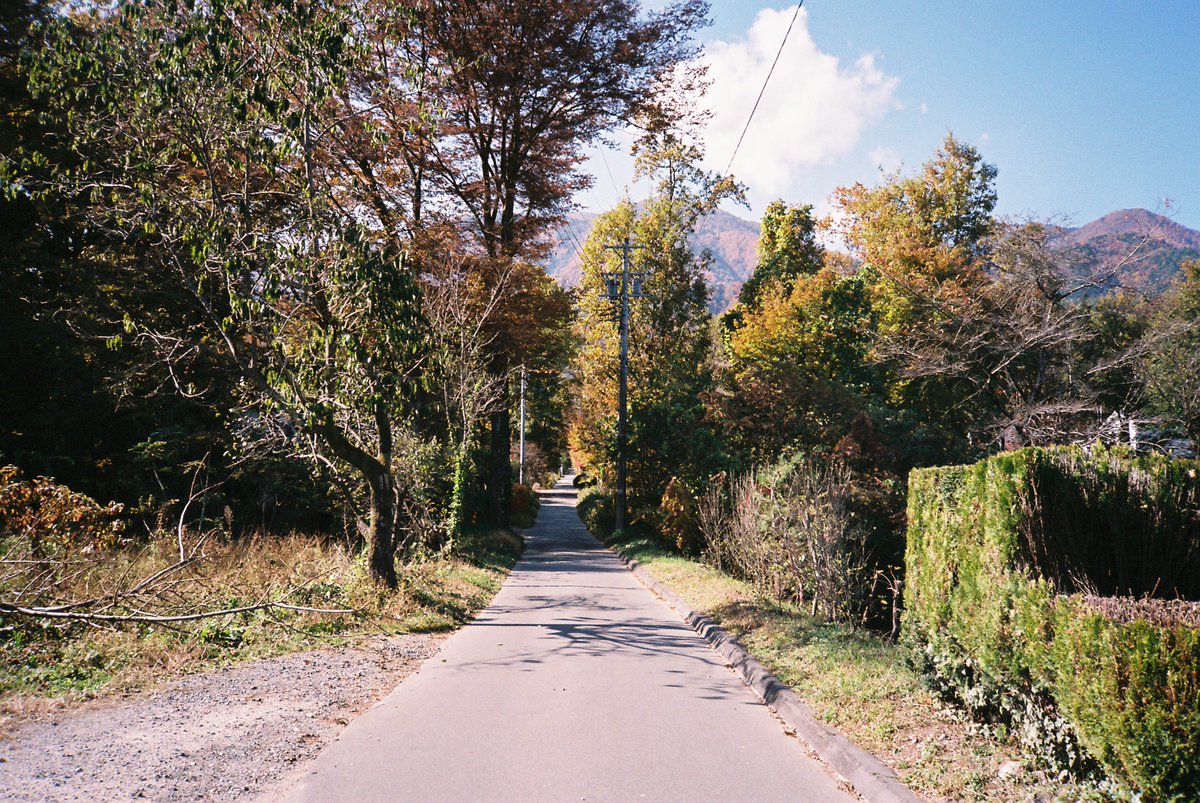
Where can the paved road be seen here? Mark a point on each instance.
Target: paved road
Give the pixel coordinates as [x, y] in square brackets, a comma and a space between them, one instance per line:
[577, 684]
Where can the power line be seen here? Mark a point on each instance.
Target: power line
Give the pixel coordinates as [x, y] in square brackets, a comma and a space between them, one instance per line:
[764, 86]
[611, 178]
[569, 238]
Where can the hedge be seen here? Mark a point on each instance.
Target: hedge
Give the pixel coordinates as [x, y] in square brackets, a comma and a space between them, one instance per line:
[1027, 583]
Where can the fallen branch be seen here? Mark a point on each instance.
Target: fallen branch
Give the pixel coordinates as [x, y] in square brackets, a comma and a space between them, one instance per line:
[84, 616]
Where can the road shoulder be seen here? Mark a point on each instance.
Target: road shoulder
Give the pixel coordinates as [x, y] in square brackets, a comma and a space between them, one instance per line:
[239, 733]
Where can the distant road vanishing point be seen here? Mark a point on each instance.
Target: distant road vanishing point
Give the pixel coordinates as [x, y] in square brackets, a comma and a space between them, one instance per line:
[576, 684]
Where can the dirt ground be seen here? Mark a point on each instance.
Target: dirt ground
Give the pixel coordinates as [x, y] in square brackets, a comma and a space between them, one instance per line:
[241, 733]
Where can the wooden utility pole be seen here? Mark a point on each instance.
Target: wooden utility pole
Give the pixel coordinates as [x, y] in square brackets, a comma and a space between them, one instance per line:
[621, 287]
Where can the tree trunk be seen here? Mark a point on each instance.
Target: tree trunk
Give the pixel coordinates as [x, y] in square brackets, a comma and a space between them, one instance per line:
[1014, 437]
[380, 544]
[458, 498]
[500, 486]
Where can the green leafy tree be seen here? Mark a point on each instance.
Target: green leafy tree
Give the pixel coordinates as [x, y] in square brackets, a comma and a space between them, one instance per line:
[787, 249]
[213, 141]
[74, 430]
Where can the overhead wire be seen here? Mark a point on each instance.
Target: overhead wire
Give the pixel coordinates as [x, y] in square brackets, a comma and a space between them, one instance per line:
[611, 178]
[770, 72]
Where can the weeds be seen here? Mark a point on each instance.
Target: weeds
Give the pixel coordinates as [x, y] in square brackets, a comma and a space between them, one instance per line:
[860, 683]
[42, 659]
[787, 530]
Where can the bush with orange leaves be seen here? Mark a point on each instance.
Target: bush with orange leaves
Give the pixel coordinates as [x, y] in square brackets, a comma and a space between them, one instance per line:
[54, 519]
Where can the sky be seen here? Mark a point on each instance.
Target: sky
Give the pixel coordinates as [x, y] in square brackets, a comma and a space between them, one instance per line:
[1084, 106]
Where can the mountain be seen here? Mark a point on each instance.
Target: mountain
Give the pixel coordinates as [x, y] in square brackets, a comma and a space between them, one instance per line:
[730, 239]
[1142, 248]
[1157, 244]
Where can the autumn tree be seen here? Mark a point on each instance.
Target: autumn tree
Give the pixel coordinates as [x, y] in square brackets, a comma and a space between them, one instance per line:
[795, 344]
[522, 91]
[922, 241]
[225, 145]
[799, 365]
[922, 235]
[670, 335]
[1011, 351]
[787, 249]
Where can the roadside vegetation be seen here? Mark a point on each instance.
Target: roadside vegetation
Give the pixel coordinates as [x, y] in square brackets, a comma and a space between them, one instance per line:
[258, 392]
[777, 443]
[323, 596]
[272, 299]
[860, 682]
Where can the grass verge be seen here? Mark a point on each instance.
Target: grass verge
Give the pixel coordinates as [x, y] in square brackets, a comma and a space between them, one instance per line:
[860, 684]
[44, 664]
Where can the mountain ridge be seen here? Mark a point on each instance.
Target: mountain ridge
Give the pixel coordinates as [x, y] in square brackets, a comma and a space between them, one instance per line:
[1158, 244]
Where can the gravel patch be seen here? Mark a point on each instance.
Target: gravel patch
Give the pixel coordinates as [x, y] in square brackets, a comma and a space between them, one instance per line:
[240, 733]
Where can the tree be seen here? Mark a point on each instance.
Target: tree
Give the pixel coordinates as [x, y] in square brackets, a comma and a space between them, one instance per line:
[74, 431]
[923, 241]
[669, 330]
[1169, 355]
[463, 313]
[799, 364]
[458, 309]
[212, 141]
[1012, 350]
[523, 91]
[787, 249]
[923, 235]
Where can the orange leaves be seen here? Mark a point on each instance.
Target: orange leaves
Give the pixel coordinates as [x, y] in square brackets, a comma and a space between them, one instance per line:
[54, 518]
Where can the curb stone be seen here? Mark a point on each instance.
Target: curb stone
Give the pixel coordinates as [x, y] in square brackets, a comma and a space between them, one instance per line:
[869, 776]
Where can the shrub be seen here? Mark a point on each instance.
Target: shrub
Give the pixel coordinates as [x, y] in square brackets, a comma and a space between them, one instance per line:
[524, 508]
[1133, 689]
[787, 529]
[55, 520]
[678, 520]
[595, 508]
[995, 552]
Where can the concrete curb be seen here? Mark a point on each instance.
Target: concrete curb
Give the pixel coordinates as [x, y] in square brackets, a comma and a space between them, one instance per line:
[871, 778]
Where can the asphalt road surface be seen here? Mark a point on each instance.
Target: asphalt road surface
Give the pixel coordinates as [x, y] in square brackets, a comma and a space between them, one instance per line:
[577, 684]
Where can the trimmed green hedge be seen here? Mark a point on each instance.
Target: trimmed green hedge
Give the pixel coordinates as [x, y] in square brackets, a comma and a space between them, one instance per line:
[997, 555]
[1132, 690]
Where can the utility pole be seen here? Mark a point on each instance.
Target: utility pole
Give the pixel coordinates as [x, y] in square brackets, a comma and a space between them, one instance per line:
[521, 470]
[621, 287]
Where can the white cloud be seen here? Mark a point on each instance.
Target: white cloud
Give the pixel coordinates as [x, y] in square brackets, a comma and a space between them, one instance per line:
[886, 159]
[814, 109]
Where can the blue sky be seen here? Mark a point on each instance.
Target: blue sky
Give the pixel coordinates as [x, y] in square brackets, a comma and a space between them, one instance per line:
[1085, 107]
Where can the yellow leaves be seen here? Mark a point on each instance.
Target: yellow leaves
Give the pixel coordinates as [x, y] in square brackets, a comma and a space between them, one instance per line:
[794, 329]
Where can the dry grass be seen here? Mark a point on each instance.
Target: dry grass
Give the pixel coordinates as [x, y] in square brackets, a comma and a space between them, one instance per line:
[44, 664]
[862, 685]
